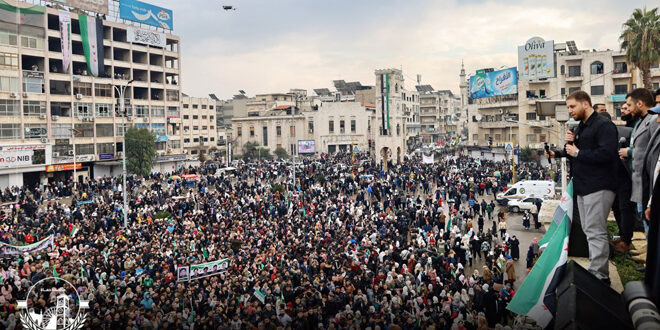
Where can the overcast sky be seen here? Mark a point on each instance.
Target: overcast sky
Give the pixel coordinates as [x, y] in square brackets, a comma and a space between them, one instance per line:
[274, 45]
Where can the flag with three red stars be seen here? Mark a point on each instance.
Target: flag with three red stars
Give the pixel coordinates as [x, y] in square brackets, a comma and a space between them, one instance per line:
[91, 33]
[536, 297]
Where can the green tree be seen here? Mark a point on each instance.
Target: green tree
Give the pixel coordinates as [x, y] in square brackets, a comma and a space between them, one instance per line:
[140, 151]
[640, 39]
[281, 153]
[249, 150]
[527, 155]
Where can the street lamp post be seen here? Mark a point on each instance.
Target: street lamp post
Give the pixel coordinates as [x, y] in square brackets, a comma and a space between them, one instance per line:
[122, 110]
[75, 173]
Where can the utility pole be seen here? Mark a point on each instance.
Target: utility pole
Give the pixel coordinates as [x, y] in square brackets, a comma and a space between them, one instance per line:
[122, 110]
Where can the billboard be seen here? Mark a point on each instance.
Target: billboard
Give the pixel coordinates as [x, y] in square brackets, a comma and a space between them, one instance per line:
[306, 147]
[138, 11]
[146, 37]
[11, 156]
[496, 83]
[536, 59]
[97, 6]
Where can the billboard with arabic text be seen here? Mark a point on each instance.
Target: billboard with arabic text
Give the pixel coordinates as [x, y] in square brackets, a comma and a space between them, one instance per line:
[496, 83]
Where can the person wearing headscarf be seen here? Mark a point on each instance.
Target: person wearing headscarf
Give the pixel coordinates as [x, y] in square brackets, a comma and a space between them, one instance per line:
[515, 248]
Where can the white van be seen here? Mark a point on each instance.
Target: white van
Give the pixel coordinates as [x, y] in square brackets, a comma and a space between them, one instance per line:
[527, 188]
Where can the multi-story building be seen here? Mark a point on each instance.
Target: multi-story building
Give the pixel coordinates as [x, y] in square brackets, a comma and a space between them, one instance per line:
[605, 75]
[199, 125]
[410, 105]
[389, 117]
[48, 114]
[430, 117]
[342, 126]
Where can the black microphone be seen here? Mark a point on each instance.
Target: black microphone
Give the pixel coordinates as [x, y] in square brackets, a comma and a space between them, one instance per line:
[622, 142]
[547, 150]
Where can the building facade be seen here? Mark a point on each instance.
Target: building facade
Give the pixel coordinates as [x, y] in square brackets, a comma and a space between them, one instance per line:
[389, 119]
[199, 125]
[50, 114]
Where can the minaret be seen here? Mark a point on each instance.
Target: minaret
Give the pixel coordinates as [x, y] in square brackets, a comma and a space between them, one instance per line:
[464, 88]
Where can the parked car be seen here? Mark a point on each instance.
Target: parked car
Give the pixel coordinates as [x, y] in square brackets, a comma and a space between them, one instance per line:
[518, 205]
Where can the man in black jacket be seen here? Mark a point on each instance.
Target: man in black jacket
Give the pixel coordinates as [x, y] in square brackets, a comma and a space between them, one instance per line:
[592, 149]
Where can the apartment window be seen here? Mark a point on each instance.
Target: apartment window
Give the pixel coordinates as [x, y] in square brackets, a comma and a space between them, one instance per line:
[195, 140]
[175, 144]
[84, 130]
[9, 108]
[597, 67]
[342, 126]
[542, 93]
[34, 108]
[265, 136]
[292, 130]
[239, 131]
[574, 71]
[185, 106]
[212, 127]
[571, 90]
[173, 112]
[310, 126]
[82, 110]
[562, 69]
[158, 129]
[597, 90]
[475, 137]
[121, 129]
[33, 82]
[30, 41]
[61, 131]
[203, 117]
[563, 91]
[141, 111]
[103, 90]
[620, 67]
[104, 130]
[331, 126]
[196, 128]
[353, 126]
[172, 95]
[531, 137]
[186, 128]
[251, 130]
[105, 148]
[542, 138]
[103, 110]
[8, 60]
[10, 131]
[210, 117]
[8, 34]
[195, 117]
[204, 128]
[36, 131]
[203, 106]
[186, 117]
[195, 106]
[9, 84]
[85, 149]
[157, 111]
[82, 88]
[620, 89]
[531, 116]
[278, 130]
[186, 140]
[656, 86]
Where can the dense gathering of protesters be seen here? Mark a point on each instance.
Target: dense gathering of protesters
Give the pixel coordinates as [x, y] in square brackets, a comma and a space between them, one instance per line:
[351, 245]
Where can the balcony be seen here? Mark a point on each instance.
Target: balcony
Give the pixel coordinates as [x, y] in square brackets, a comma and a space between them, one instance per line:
[574, 78]
[616, 75]
[500, 104]
[496, 124]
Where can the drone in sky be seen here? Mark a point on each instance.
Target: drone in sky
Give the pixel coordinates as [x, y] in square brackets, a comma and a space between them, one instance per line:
[228, 8]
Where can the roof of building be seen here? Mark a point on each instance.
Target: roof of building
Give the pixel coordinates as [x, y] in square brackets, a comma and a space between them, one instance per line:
[282, 107]
[370, 105]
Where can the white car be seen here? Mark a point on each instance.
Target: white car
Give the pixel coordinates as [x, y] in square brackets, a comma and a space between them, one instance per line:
[528, 203]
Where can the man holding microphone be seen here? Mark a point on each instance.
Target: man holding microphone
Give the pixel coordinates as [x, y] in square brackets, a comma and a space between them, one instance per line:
[592, 149]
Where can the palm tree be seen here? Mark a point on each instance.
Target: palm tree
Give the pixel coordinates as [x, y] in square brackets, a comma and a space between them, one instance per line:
[640, 39]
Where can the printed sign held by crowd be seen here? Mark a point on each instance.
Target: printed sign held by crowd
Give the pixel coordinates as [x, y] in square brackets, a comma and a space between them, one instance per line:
[193, 272]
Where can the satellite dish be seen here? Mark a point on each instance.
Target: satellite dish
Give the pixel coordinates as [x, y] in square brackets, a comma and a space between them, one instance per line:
[478, 117]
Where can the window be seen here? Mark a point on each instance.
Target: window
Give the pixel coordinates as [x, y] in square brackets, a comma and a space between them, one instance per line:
[8, 60]
[542, 93]
[475, 137]
[9, 84]
[185, 106]
[85, 149]
[186, 116]
[542, 138]
[157, 111]
[82, 88]
[239, 131]
[571, 90]
[84, 130]
[620, 89]
[9, 108]
[574, 71]
[196, 128]
[103, 110]
[105, 148]
[562, 69]
[8, 35]
[342, 126]
[36, 131]
[173, 112]
[103, 90]
[10, 131]
[292, 130]
[158, 129]
[265, 136]
[195, 117]
[563, 91]
[82, 110]
[121, 128]
[597, 67]
[353, 126]
[204, 128]
[172, 95]
[141, 111]
[620, 67]
[278, 130]
[104, 130]
[175, 144]
[60, 131]
[186, 128]
[203, 106]
[32, 37]
[203, 117]
[656, 86]
[195, 106]
[186, 140]
[210, 117]
[34, 108]
[195, 140]
[597, 90]
[251, 130]
[331, 126]
[531, 116]
[531, 137]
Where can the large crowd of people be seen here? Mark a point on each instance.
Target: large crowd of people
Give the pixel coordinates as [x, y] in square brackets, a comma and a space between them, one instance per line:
[350, 245]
